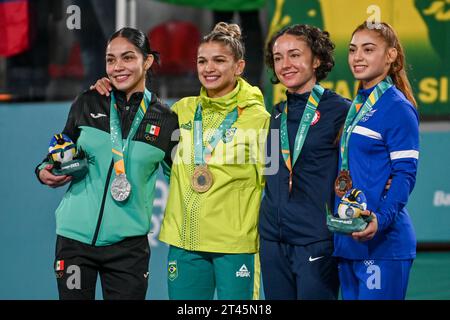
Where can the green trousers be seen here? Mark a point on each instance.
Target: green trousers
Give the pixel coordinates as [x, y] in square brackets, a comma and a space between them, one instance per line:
[196, 275]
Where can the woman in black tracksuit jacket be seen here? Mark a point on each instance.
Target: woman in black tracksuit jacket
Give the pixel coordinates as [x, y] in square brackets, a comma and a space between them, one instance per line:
[101, 231]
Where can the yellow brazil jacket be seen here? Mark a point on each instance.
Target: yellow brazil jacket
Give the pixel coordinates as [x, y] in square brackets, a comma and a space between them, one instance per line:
[224, 219]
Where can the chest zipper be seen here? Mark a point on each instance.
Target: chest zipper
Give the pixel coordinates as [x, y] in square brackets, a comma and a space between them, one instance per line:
[102, 207]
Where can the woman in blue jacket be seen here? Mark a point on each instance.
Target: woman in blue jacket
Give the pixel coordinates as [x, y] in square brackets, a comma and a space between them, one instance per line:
[380, 141]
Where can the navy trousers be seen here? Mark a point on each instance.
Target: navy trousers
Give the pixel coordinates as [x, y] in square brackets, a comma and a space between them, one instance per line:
[293, 272]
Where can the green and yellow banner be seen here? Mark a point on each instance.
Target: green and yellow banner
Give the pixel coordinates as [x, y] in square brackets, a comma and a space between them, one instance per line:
[422, 26]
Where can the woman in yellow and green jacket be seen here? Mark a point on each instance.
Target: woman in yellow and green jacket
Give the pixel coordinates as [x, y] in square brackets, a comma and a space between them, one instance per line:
[217, 181]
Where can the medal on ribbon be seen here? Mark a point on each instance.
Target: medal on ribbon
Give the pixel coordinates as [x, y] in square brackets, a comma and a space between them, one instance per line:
[343, 182]
[121, 187]
[305, 123]
[202, 178]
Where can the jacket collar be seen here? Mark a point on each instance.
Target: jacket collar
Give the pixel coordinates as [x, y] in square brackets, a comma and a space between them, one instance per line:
[296, 100]
[221, 104]
[134, 100]
[366, 92]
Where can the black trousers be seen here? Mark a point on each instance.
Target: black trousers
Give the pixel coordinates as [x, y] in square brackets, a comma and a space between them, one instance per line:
[123, 269]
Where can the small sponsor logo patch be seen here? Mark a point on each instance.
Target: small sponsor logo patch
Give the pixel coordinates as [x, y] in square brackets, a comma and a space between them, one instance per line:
[316, 118]
[59, 266]
[187, 125]
[152, 129]
[172, 270]
[243, 272]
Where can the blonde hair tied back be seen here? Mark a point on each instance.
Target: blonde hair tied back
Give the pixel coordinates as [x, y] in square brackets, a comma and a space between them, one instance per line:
[229, 34]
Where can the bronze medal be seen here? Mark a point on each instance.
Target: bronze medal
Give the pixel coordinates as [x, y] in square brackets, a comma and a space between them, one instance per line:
[343, 183]
[202, 179]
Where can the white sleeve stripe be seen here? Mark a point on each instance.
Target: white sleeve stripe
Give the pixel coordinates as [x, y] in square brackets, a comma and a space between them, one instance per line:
[405, 154]
[367, 132]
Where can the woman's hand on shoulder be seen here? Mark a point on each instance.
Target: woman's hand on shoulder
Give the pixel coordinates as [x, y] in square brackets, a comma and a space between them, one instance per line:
[48, 178]
[103, 86]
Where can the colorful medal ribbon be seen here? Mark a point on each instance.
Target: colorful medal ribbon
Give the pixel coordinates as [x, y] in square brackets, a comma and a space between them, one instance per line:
[305, 123]
[354, 115]
[203, 154]
[121, 188]
[202, 179]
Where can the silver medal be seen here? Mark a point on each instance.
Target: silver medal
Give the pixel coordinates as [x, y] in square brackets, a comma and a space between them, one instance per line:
[120, 188]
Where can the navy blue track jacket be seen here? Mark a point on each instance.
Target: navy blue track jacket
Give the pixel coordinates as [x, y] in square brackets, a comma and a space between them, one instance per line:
[299, 218]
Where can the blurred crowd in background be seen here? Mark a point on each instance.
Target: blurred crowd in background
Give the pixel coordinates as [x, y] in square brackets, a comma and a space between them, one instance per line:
[52, 51]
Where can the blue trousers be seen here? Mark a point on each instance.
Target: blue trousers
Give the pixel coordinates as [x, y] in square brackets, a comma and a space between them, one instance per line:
[293, 272]
[374, 279]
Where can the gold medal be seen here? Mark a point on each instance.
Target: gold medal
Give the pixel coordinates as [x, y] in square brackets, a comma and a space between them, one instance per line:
[202, 179]
[343, 183]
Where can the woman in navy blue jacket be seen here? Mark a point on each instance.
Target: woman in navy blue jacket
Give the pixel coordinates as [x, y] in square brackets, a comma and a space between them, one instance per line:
[295, 245]
[380, 141]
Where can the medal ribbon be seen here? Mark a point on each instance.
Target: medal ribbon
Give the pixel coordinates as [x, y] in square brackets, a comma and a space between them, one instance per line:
[203, 154]
[354, 115]
[305, 123]
[118, 148]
